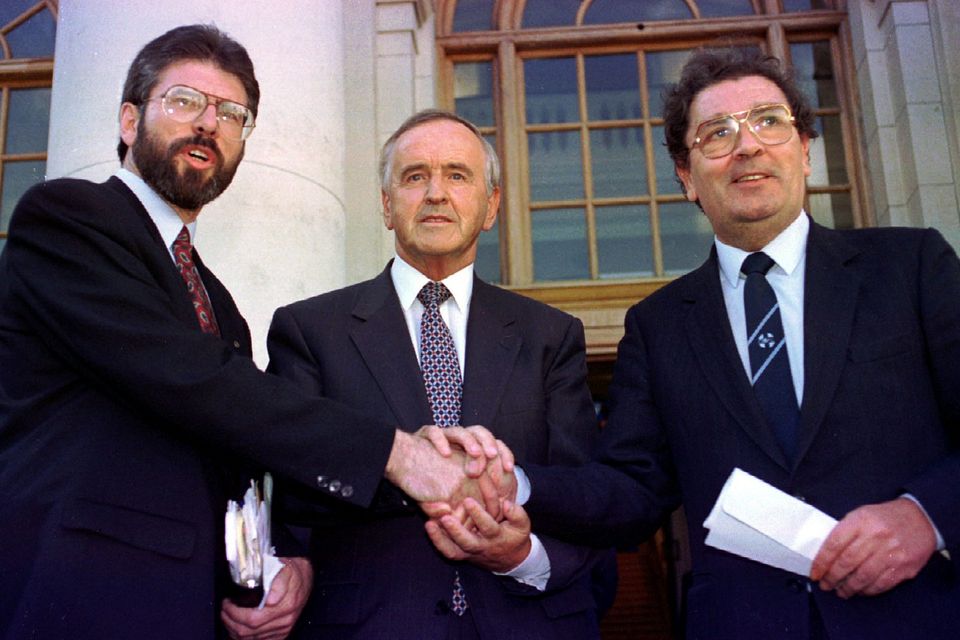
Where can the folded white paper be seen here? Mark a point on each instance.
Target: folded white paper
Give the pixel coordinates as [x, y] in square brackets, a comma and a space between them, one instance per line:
[758, 521]
[250, 552]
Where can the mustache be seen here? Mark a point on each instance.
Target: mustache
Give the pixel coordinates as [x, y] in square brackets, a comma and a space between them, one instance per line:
[196, 141]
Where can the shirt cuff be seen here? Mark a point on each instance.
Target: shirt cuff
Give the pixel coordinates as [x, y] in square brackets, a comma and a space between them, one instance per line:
[523, 486]
[941, 544]
[534, 571]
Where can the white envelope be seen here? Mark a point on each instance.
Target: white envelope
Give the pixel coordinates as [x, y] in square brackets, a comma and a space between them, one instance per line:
[758, 521]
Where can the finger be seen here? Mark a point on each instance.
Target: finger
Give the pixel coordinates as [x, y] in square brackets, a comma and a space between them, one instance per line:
[490, 495]
[486, 440]
[435, 509]
[486, 525]
[278, 589]
[444, 544]
[516, 515]
[468, 541]
[465, 440]
[506, 457]
[437, 438]
[838, 540]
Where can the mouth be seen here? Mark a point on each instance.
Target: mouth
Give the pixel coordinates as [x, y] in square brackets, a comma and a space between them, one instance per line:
[750, 177]
[435, 219]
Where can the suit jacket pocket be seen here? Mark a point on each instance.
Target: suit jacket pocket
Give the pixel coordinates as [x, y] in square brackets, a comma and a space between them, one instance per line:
[146, 531]
[882, 348]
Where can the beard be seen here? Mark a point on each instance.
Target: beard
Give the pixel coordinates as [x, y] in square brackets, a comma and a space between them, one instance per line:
[188, 189]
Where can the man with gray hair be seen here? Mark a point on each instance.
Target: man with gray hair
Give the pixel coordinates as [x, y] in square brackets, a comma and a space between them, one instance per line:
[427, 342]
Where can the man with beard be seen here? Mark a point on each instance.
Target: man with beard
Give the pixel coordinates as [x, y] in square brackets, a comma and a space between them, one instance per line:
[127, 392]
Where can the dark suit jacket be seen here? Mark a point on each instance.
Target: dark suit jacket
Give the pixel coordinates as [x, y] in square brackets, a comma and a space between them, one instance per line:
[379, 577]
[880, 417]
[116, 412]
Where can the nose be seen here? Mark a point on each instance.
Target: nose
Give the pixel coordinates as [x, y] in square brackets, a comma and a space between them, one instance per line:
[206, 121]
[747, 144]
[436, 193]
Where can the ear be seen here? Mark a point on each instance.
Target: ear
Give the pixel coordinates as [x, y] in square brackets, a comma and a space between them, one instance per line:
[493, 207]
[129, 120]
[684, 174]
[387, 214]
[805, 145]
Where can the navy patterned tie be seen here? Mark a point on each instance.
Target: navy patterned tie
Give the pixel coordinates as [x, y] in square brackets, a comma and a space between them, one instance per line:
[441, 377]
[769, 362]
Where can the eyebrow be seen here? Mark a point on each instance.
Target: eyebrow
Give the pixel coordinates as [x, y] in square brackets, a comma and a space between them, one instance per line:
[449, 166]
[762, 103]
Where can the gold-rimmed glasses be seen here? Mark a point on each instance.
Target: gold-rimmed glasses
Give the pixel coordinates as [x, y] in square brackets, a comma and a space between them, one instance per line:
[769, 123]
[185, 104]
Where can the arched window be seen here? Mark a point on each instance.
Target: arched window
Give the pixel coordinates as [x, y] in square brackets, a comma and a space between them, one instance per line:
[570, 92]
[27, 34]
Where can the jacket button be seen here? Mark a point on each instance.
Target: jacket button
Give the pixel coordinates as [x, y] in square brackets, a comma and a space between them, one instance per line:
[795, 585]
[334, 486]
[346, 491]
[236, 344]
[322, 482]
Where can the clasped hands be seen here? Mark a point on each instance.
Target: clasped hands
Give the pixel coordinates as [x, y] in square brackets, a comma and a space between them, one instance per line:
[463, 478]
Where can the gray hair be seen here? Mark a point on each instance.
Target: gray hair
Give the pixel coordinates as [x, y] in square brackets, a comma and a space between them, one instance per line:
[492, 164]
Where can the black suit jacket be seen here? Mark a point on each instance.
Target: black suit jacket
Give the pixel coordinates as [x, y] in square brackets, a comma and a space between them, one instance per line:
[378, 576]
[117, 416]
[880, 417]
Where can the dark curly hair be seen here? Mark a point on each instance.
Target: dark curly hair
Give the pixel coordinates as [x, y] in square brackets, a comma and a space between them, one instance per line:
[200, 42]
[707, 67]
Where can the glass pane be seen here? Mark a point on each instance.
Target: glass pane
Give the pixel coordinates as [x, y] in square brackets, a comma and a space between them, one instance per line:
[473, 92]
[613, 87]
[473, 15]
[551, 90]
[805, 5]
[556, 166]
[618, 159]
[559, 244]
[613, 11]
[34, 38]
[29, 120]
[720, 8]
[832, 209]
[10, 9]
[685, 237]
[487, 265]
[550, 13]
[813, 65]
[827, 163]
[3, 242]
[663, 70]
[624, 245]
[17, 178]
[666, 176]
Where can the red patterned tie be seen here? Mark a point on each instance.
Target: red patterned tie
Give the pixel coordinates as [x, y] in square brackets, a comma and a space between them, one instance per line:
[183, 254]
[441, 377]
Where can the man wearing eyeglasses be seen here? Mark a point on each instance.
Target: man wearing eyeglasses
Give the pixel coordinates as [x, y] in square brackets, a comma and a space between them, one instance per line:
[825, 362]
[128, 398]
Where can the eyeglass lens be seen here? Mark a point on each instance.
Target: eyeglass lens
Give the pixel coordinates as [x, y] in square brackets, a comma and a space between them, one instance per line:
[771, 124]
[185, 104]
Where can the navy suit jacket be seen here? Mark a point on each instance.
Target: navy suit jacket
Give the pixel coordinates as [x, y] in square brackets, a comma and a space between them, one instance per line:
[378, 576]
[117, 417]
[880, 416]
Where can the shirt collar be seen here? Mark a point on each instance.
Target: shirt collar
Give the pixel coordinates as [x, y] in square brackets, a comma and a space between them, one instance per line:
[408, 281]
[787, 250]
[164, 217]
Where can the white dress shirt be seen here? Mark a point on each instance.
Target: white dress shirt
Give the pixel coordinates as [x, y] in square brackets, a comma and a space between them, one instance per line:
[407, 281]
[164, 217]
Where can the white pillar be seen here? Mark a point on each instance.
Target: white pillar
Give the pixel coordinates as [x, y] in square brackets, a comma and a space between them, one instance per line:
[277, 234]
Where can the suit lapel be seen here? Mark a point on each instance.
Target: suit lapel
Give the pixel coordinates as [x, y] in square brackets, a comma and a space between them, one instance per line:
[710, 336]
[829, 303]
[382, 338]
[493, 343]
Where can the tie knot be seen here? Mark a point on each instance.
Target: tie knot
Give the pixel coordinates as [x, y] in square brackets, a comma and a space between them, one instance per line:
[757, 263]
[183, 240]
[433, 293]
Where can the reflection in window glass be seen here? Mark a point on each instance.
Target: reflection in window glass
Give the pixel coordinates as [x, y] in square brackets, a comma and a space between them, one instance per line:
[487, 264]
[473, 15]
[619, 167]
[613, 87]
[721, 8]
[613, 11]
[813, 65]
[666, 176]
[28, 120]
[624, 243]
[17, 178]
[550, 13]
[551, 90]
[556, 167]
[827, 163]
[34, 38]
[832, 209]
[663, 70]
[559, 244]
[685, 237]
[473, 92]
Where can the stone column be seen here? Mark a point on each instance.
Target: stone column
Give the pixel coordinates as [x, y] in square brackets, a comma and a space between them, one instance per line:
[277, 234]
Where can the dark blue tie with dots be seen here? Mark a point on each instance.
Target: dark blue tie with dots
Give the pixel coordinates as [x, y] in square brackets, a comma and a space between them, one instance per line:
[441, 377]
[769, 362]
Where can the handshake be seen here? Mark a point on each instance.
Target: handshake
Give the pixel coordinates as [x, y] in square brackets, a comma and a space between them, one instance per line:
[463, 478]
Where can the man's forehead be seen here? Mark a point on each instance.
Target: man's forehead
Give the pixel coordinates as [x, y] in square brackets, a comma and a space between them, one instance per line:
[439, 141]
[733, 95]
[203, 75]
